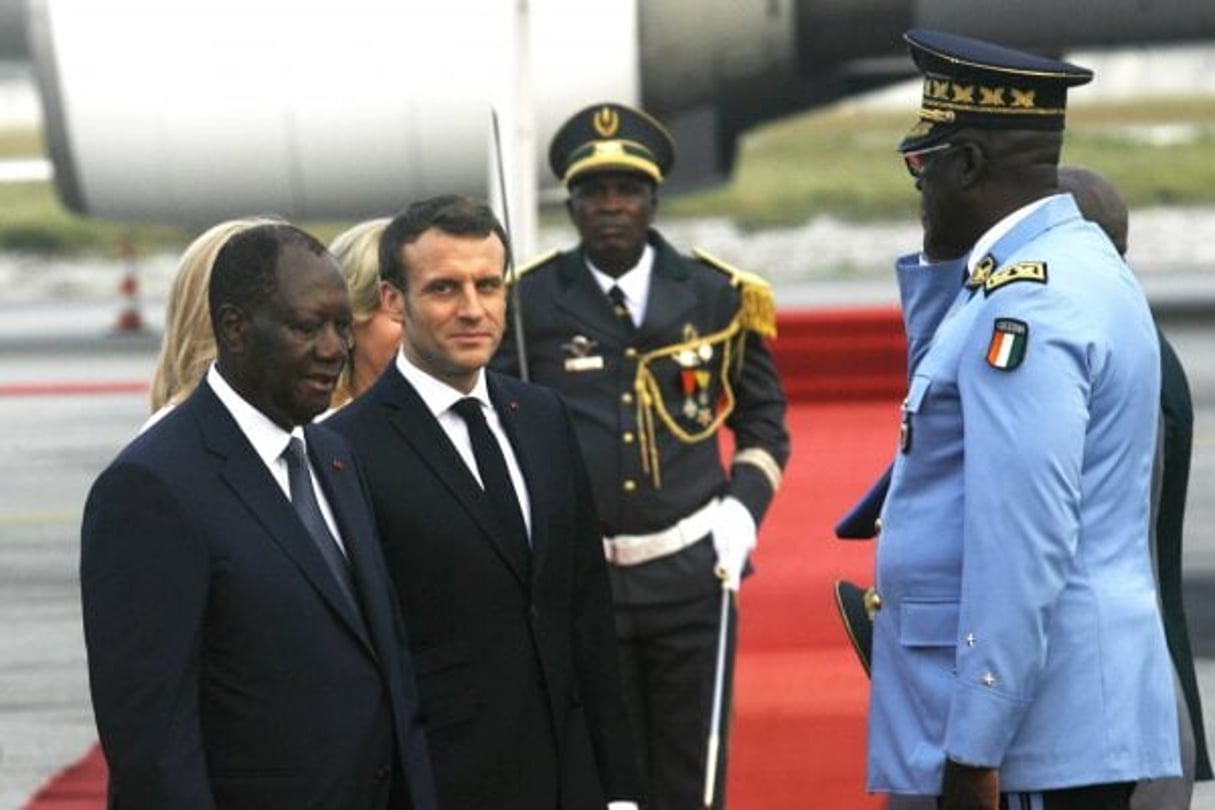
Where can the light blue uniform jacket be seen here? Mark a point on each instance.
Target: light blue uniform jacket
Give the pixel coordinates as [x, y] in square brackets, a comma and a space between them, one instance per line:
[1019, 626]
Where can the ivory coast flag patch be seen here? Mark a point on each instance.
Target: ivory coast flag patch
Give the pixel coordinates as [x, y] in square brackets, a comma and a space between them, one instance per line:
[1009, 339]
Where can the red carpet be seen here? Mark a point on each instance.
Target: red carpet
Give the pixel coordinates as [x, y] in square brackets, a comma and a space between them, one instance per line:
[800, 695]
[80, 786]
[799, 734]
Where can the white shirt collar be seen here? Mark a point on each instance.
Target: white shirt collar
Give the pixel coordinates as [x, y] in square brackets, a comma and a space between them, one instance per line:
[634, 282]
[997, 231]
[268, 439]
[438, 395]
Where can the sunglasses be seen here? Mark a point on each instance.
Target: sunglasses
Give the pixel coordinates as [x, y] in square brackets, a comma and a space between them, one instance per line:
[919, 159]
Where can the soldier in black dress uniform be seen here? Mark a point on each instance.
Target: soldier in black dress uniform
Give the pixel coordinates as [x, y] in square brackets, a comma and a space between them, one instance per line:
[655, 353]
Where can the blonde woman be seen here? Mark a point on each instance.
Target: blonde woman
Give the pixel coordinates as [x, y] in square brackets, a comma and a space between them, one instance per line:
[377, 325]
[188, 345]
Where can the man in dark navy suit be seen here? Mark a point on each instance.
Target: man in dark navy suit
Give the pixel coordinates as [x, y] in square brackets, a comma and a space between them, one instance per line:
[485, 511]
[244, 644]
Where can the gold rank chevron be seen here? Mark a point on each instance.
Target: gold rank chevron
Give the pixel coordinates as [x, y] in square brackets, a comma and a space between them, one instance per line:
[1021, 271]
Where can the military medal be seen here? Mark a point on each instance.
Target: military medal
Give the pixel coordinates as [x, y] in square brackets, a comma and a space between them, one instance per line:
[694, 380]
[704, 414]
[687, 377]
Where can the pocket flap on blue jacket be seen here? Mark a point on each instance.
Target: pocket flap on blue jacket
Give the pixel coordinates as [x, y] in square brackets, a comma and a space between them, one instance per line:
[928, 624]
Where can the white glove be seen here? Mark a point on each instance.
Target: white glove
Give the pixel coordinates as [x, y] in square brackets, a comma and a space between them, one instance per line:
[733, 540]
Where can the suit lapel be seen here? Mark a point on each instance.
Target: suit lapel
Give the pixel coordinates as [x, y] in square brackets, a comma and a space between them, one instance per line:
[336, 472]
[251, 483]
[415, 423]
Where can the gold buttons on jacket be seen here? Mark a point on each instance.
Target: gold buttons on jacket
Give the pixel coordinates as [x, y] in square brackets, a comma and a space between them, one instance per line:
[877, 526]
[630, 485]
[630, 352]
[626, 398]
[629, 437]
[873, 602]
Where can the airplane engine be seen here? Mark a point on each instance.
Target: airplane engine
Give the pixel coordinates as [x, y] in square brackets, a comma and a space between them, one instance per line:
[191, 110]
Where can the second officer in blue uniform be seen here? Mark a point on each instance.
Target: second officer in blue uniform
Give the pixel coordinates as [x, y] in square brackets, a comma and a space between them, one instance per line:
[656, 353]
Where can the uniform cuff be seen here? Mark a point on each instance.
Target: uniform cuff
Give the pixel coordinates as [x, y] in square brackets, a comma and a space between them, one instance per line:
[982, 722]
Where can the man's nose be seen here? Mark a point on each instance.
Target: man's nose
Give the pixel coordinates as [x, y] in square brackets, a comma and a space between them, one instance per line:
[613, 199]
[471, 306]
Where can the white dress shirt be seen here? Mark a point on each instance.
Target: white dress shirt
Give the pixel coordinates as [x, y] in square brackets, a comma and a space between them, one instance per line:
[269, 441]
[439, 397]
[633, 283]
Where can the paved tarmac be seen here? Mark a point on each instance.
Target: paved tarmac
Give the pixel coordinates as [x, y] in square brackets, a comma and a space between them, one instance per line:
[54, 445]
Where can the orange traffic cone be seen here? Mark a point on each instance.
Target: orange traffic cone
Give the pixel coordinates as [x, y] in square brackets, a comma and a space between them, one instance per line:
[129, 319]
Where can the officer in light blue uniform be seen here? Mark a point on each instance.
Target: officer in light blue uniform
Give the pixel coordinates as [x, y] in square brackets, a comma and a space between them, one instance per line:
[1018, 654]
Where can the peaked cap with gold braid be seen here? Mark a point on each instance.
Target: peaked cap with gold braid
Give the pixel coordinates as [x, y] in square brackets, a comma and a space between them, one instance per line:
[972, 83]
[611, 137]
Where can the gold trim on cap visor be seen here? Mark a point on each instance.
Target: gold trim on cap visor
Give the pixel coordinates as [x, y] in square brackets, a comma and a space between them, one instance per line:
[607, 154]
[975, 108]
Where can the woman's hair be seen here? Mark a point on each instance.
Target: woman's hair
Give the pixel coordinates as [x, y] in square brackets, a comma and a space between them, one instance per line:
[357, 251]
[188, 345]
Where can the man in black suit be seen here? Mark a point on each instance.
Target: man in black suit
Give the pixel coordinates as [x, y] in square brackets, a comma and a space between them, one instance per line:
[485, 513]
[244, 645]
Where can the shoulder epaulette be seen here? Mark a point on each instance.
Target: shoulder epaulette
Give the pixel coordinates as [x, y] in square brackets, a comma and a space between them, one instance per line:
[1021, 271]
[757, 310]
[527, 267]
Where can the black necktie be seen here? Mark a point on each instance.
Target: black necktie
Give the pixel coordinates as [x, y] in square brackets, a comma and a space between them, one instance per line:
[620, 306]
[306, 506]
[494, 476]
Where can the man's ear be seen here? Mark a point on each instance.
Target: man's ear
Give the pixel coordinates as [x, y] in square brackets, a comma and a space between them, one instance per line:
[972, 164]
[232, 329]
[392, 301]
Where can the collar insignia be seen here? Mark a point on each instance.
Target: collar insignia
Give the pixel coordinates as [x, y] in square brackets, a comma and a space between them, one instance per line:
[981, 272]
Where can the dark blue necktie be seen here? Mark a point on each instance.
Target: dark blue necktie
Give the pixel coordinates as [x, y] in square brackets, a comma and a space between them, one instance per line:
[303, 499]
[620, 306]
[495, 478]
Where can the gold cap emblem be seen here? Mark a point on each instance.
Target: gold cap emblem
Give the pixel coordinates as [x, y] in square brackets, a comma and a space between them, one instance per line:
[606, 122]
